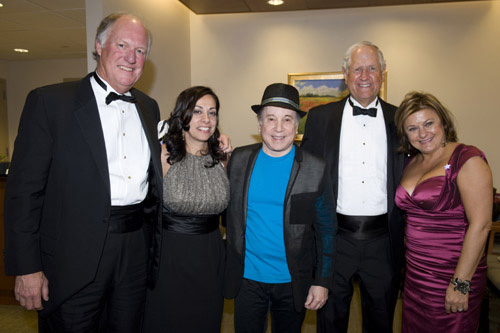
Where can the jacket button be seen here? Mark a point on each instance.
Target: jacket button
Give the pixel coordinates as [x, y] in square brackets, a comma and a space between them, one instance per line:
[105, 220]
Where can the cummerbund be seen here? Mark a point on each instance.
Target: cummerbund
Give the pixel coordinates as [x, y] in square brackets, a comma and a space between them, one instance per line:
[362, 227]
[125, 219]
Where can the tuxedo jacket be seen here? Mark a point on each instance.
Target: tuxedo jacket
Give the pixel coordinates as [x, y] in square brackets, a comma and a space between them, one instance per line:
[322, 137]
[309, 222]
[57, 200]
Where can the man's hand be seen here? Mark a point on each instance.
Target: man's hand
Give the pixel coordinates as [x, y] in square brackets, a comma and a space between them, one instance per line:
[225, 144]
[316, 298]
[30, 288]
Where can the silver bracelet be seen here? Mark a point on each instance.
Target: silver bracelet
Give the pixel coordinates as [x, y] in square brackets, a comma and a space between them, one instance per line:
[462, 286]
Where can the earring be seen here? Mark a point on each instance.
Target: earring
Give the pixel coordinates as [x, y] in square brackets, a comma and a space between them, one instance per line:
[444, 143]
[409, 150]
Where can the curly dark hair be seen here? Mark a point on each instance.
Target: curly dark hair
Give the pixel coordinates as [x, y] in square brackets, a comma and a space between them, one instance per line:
[415, 101]
[179, 121]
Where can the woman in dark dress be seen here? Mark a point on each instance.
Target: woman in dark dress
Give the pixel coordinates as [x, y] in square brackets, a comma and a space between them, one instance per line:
[446, 191]
[188, 294]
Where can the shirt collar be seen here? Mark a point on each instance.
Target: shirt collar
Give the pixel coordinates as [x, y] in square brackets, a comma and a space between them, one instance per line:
[373, 104]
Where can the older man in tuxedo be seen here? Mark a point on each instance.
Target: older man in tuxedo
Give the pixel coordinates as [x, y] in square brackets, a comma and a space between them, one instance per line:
[84, 190]
[358, 139]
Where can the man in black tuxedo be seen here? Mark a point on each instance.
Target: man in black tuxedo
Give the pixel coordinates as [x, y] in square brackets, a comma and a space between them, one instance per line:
[84, 192]
[358, 139]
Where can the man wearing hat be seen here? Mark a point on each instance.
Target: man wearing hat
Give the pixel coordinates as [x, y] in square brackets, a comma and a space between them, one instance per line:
[280, 222]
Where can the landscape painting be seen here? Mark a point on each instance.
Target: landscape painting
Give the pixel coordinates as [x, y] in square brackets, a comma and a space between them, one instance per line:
[320, 88]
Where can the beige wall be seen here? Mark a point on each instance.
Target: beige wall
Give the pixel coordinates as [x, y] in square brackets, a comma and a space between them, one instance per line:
[3, 69]
[168, 70]
[23, 76]
[451, 50]
[4, 126]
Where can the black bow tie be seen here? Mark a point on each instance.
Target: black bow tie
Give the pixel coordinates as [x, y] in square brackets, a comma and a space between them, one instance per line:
[112, 96]
[356, 110]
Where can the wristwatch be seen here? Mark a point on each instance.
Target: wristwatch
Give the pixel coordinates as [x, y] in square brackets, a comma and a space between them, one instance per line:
[462, 286]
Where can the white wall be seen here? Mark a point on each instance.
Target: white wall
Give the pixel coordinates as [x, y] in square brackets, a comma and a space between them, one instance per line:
[23, 76]
[451, 50]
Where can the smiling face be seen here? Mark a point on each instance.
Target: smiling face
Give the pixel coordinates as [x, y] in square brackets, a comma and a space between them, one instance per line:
[278, 128]
[364, 77]
[425, 131]
[123, 55]
[202, 125]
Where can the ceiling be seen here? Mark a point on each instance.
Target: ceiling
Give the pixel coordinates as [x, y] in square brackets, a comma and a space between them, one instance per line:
[52, 29]
[47, 28]
[244, 6]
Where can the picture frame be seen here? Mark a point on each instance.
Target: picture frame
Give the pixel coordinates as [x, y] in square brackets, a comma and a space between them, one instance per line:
[322, 88]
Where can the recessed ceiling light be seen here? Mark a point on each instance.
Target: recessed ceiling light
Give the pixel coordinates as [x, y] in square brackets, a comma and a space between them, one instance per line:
[275, 2]
[1, 5]
[21, 50]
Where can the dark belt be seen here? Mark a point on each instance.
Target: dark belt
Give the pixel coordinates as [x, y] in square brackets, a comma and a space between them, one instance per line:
[362, 227]
[126, 218]
[190, 224]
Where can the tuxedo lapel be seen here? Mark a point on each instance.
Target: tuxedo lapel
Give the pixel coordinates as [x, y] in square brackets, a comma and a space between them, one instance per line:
[149, 124]
[293, 174]
[392, 156]
[249, 164]
[333, 147]
[87, 116]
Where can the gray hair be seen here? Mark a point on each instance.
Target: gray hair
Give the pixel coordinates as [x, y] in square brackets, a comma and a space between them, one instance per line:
[354, 47]
[106, 25]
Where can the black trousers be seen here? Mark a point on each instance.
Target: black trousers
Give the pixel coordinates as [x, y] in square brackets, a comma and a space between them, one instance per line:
[255, 299]
[114, 301]
[368, 261]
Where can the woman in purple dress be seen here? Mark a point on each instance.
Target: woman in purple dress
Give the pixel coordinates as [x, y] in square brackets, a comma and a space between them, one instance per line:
[446, 191]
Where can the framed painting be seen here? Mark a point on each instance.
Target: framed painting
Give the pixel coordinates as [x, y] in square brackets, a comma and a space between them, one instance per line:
[321, 88]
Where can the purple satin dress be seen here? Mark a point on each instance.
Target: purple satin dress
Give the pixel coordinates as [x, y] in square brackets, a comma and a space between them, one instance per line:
[435, 231]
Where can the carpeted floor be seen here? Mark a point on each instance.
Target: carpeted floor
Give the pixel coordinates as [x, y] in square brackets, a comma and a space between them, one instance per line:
[14, 319]
[309, 325]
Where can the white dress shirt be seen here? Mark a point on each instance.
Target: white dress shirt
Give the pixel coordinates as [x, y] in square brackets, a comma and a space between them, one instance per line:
[127, 147]
[362, 183]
